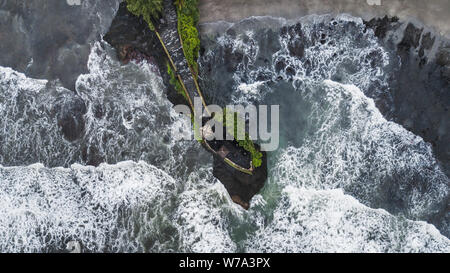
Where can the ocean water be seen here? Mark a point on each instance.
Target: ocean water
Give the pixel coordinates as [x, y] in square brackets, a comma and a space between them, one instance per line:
[343, 179]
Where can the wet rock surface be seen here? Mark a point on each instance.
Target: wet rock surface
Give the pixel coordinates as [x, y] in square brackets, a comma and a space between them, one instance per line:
[241, 187]
[408, 90]
[132, 39]
[422, 105]
[70, 116]
[382, 25]
[105, 121]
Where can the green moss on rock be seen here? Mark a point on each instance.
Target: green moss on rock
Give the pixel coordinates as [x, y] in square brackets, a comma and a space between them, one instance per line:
[188, 17]
[246, 143]
[149, 9]
[174, 81]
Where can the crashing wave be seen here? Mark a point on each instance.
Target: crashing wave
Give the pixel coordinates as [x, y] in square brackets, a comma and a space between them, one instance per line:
[170, 202]
[322, 69]
[118, 208]
[329, 221]
[351, 146]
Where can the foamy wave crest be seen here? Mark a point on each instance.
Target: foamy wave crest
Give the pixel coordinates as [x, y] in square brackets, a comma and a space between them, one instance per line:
[329, 221]
[110, 208]
[121, 113]
[351, 146]
[321, 71]
[29, 132]
[202, 215]
[339, 48]
[128, 115]
[306, 52]
[170, 200]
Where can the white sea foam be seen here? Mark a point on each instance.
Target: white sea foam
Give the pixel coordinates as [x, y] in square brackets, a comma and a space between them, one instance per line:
[172, 202]
[329, 221]
[128, 115]
[202, 220]
[349, 52]
[345, 143]
[28, 124]
[250, 88]
[351, 146]
[108, 208]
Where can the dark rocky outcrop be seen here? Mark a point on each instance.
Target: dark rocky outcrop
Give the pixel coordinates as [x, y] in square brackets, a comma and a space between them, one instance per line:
[132, 39]
[411, 38]
[382, 25]
[233, 59]
[443, 60]
[70, 112]
[241, 187]
[296, 47]
[420, 90]
[422, 105]
[401, 96]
